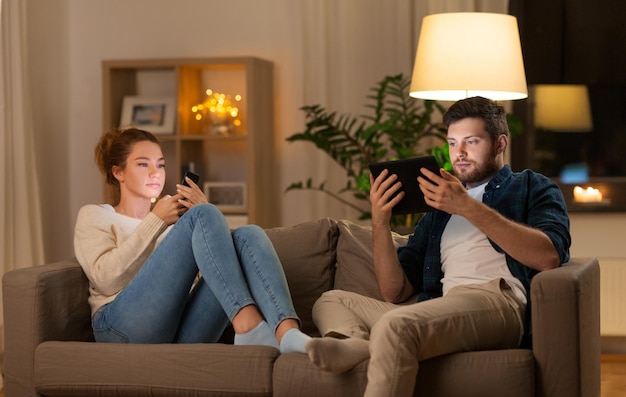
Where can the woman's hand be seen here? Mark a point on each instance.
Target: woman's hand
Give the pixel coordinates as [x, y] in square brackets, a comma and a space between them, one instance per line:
[191, 195]
[169, 208]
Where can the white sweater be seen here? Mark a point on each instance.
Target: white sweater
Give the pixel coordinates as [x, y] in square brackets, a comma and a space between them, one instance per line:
[111, 248]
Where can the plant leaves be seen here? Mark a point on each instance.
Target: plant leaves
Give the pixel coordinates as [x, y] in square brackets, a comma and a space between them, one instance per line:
[398, 127]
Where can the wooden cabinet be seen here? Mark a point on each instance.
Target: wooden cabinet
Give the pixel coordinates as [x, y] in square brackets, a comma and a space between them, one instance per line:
[238, 164]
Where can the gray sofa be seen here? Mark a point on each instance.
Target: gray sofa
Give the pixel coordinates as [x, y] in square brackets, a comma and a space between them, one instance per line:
[50, 349]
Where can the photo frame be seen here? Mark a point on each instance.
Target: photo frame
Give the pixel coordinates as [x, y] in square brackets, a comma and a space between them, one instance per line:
[227, 195]
[153, 114]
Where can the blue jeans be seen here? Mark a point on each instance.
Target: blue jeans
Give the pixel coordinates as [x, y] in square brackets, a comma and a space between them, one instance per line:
[238, 269]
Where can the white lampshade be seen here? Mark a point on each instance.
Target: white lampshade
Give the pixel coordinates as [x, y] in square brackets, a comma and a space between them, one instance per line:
[460, 55]
[562, 108]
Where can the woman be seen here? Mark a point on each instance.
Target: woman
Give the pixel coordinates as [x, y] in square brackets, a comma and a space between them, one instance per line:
[142, 260]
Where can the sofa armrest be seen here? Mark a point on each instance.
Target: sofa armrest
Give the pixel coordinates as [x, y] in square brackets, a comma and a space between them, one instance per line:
[41, 303]
[566, 329]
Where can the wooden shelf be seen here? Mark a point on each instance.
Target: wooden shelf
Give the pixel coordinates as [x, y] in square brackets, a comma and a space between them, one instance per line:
[244, 156]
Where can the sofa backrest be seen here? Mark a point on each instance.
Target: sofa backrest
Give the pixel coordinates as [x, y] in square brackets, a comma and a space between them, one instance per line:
[321, 255]
[355, 266]
[307, 252]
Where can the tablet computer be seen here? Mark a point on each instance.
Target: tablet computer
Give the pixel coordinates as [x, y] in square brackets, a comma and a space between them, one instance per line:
[408, 170]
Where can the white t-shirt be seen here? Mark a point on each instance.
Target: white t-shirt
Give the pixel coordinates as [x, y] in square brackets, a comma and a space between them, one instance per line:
[468, 257]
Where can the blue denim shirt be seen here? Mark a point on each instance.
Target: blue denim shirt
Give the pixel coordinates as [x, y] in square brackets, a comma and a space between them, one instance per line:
[525, 197]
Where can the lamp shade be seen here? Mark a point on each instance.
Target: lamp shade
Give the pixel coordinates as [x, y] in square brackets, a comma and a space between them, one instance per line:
[562, 108]
[465, 54]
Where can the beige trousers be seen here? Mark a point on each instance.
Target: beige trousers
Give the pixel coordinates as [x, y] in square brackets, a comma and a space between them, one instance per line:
[470, 317]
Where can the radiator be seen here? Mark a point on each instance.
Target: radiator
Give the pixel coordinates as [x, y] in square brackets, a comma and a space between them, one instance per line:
[612, 297]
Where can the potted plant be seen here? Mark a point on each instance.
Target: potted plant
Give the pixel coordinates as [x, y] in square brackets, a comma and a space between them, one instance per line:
[400, 127]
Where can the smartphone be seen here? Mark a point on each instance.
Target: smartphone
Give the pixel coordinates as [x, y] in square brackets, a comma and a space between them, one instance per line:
[193, 176]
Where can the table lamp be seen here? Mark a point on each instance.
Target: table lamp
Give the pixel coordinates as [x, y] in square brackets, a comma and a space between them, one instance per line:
[562, 108]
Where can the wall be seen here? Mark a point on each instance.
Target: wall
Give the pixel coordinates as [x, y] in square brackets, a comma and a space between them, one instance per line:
[318, 49]
[572, 41]
[48, 56]
[598, 234]
[67, 41]
[601, 235]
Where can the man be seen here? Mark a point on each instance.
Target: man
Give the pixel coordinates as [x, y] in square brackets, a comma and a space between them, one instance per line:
[471, 261]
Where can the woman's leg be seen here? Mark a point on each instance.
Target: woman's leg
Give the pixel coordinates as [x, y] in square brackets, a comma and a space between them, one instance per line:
[216, 257]
[150, 308]
[203, 320]
[264, 275]
[268, 285]
[156, 302]
[218, 261]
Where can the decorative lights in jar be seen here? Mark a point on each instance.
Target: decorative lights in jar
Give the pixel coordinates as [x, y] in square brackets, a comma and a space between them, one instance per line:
[219, 112]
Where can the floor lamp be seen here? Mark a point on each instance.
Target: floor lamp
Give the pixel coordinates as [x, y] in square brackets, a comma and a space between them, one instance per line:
[460, 55]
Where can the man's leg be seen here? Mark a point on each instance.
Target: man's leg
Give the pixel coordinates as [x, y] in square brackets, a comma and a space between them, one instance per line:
[345, 314]
[344, 319]
[468, 318]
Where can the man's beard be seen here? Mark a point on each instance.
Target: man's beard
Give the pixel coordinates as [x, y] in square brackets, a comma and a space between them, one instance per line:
[479, 173]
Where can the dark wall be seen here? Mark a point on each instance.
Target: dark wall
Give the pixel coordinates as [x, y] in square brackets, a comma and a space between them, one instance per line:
[572, 41]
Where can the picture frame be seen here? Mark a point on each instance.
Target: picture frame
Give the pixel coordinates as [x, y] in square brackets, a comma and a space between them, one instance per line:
[227, 195]
[153, 114]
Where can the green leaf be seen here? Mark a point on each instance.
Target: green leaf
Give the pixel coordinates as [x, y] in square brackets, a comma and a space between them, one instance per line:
[516, 127]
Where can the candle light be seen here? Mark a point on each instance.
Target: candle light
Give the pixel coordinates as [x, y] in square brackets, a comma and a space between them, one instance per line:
[588, 195]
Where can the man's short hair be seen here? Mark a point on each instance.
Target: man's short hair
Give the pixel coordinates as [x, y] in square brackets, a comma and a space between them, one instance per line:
[493, 114]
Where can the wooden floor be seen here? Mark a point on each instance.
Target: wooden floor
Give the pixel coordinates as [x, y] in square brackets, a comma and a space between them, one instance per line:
[613, 376]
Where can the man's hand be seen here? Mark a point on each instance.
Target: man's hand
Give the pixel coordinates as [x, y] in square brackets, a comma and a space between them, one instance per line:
[389, 274]
[382, 189]
[447, 193]
[530, 246]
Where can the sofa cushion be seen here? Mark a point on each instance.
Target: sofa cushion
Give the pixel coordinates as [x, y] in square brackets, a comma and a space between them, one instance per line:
[307, 252]
[508, 372]
[102, 369]
[293, 371]
[472, 374]
[355, 269]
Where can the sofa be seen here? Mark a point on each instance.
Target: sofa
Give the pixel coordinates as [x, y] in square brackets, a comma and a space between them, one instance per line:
[50, 350]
